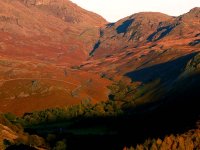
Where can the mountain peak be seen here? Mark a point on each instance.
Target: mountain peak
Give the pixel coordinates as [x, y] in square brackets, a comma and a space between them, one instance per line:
[67, 11]
[149, 18]
[195, 10]
[60, 24]
[143, 28]
[150, 15]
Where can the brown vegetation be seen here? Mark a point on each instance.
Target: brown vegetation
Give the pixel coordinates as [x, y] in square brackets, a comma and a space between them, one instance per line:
[189, 140]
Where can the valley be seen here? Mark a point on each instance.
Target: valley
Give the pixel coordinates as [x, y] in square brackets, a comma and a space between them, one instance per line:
[68, 76]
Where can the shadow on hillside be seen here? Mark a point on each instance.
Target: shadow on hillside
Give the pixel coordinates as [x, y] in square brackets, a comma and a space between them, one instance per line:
[160, 33]
[124, 26]
[195, 42]
[177, 114]
[110, 25]
[95, 47]
[165, 71]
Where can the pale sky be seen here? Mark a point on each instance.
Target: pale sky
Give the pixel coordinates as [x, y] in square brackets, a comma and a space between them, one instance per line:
[113, 10]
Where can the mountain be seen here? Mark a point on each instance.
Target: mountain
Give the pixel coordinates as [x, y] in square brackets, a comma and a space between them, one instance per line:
[41, 42]
[146, 28]
[132, 30]
[143, 40]
[72, 77]
[54, 53]
[55, 30]
[67, 11]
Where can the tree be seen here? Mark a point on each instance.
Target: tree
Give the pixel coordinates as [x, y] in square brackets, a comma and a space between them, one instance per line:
[60, 145]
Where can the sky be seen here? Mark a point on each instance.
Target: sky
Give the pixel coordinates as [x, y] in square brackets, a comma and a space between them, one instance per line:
[113, 10]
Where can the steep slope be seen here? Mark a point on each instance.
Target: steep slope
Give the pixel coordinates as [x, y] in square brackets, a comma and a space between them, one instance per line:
[143, 40]
[130, 31]
[59, 30]
[67, 11]
[40, 43]
[41, 57]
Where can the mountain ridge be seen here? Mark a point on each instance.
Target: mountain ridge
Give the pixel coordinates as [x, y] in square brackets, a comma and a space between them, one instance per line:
[72, 77]
[48, 50]
[48, 30]
[129, 44]
[59, 8]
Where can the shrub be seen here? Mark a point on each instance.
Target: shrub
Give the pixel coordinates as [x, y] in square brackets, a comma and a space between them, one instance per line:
[60, 145]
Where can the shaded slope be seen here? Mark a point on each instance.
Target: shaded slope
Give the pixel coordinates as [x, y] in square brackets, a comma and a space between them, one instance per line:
[170, 70]
[176, 112]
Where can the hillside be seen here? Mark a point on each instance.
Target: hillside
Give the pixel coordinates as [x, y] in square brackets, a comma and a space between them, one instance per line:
[58, 32]
[143, 40]
[41, 42]
[75, 81]
[45, 59]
